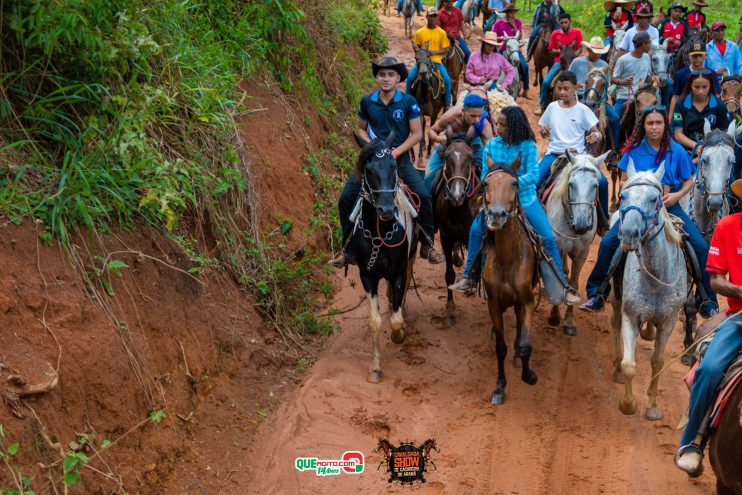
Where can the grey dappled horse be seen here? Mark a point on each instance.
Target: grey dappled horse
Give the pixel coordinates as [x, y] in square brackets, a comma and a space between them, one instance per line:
[660, 63]
[513, 45]
[573, 216]
[654, 282]
[408, 11]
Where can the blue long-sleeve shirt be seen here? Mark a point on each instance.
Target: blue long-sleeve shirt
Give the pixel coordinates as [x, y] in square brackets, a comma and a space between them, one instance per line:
[500, 152]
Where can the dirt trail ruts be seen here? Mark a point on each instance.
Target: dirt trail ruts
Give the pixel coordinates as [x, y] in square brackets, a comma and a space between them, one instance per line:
[564, 435]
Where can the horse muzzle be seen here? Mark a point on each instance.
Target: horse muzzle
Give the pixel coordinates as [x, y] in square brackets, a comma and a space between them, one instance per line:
[630, 239]
[496, 219]
[714, 203]
[386, 213]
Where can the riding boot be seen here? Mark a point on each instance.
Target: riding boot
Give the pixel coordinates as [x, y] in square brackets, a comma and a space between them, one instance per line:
[603, 223]
[571, 296]
[605, 285]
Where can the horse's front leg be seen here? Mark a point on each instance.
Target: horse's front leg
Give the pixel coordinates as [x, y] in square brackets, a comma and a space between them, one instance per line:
[525, 348]
[374, 325]
[617, 346]
[629, 333]
[570, 328]
[501, 348]
[653, 412]
[399, 286]
[450, 278]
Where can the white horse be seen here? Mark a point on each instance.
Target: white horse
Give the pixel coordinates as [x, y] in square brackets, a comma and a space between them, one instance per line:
[469, 11]
[513, 45]
[654, 282]
[572, 211]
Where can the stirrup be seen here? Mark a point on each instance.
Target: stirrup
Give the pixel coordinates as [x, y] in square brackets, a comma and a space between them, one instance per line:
[686, 449]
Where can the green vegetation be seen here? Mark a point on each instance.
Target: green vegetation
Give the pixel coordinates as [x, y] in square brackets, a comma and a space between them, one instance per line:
[115, 113]
[20, 483]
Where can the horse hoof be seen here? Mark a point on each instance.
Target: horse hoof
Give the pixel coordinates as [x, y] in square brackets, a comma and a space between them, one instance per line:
[517, 362]
[627, 408]
[571, 331]
[398, 336]
[688, 360]
[531, 378]
[451, 320]
[618, 377]
[653, 414]
[374, 376]
[553, 320]
[497, 399]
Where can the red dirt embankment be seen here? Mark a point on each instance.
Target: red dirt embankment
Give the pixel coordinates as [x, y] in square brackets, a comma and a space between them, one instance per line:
[564, 435]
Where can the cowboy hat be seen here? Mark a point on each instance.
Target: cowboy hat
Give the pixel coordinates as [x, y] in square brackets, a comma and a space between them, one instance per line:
[491, 38]
[596, 45]
[643, 12]
[700, 3]
[736, 187]
[612, 4]
[390, 63]
[510, 7]
[678, 5]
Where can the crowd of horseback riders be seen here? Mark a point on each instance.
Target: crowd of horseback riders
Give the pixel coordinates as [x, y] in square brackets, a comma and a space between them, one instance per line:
[658, 105]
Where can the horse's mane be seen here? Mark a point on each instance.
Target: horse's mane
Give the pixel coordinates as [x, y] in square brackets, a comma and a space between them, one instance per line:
[365, 155]
[561, 187]
[671, 233]
[716, 137]
[602, 117]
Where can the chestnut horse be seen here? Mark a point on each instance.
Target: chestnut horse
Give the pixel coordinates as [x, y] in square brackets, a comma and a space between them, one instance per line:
[724, 446]
[509, 270]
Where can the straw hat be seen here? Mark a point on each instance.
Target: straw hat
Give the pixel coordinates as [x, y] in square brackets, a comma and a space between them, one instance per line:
[491, 38]
[612, 4]
[736, 187]
[596, 45]
[700, 3]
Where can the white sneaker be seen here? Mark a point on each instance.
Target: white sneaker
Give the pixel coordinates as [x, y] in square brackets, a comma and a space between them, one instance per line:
[691, 463]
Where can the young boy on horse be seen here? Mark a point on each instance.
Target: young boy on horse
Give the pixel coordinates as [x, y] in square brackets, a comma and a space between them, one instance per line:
[696, 19]
[650, 145]
[565, 123]
[459, 119]
[385, 111]
[566, 35]
[437, 44]
[724, 259]
[546, 9]
[451, 20]
[674, 28]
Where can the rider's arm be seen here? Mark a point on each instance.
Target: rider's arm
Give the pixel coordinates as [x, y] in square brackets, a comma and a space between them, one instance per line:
[363, 129]
[437, 132]
[724, 287]
[470, 75]
[487, 132]
[528, 162]
[672, 198]
[594, 135]
[681, 138]
[416, 134]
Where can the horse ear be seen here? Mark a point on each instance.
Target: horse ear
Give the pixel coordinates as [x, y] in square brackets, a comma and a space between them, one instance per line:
[597, 161]
[569, 157]
[361, 141]
[631, 169]
[516, 164]
[470, 133]
[390, 139]
[706, 127]
[660, 172]
[731, 129]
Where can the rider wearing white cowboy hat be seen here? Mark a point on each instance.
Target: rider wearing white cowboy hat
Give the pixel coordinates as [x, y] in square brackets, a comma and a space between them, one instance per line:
[725, 266]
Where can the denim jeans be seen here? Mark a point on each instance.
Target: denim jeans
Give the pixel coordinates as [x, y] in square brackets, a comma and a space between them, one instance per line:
[545, 167]
[620, 107]
[446, 81]
[610, 243]
[410, 175]
[546, 83]
[465, 48]
[436, 162]
[536, 217]
[721, 351]
[532, 38]
[613, 122]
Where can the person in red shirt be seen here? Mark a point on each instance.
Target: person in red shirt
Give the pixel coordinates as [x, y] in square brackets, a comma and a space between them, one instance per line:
[696, 19]
[724, 259]
[674, 28]
[566, 36]
[451, 20]
[618, 16]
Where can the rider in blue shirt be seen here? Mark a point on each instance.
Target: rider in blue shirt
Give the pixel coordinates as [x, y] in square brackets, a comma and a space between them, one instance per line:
[651, 145]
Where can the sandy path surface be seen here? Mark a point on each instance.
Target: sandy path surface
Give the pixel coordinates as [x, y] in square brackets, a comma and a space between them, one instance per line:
[564, 435]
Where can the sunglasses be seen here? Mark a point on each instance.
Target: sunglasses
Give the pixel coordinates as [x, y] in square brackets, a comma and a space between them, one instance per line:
[654, 108]
[701, 72]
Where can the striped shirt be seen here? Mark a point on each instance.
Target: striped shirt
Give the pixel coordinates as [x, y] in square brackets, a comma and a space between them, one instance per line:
[500, 152]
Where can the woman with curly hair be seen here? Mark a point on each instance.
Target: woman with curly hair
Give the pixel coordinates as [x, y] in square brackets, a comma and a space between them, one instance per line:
[515, 137]
[698, 102]
[649, 146]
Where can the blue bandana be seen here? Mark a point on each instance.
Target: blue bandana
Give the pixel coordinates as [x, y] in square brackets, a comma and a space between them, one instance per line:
[474, 101]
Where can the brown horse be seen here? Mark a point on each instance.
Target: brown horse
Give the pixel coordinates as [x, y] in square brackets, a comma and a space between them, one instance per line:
[566, 56]
[539, 51]
[428, 89]
[509, 270]
[454, 202]
[724, 446]
[731, 90]
[454, 62]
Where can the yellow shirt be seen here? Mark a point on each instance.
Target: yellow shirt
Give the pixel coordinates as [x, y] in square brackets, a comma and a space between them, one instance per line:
[437, 39]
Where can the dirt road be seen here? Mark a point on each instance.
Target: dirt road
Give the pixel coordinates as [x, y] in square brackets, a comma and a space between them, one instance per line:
[564, 435]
